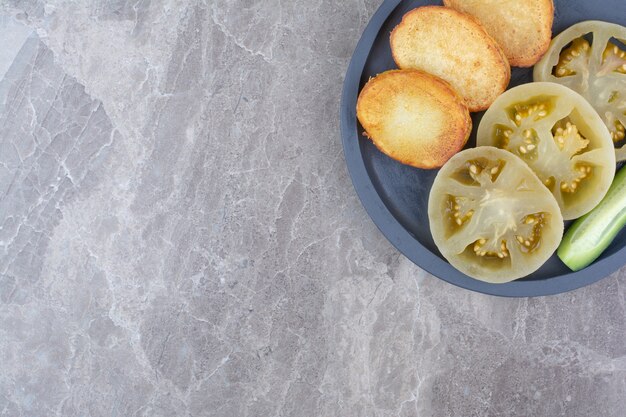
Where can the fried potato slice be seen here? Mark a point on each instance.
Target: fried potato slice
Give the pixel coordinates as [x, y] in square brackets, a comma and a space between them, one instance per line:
[455, 47]
[523, 28]
[414, 117]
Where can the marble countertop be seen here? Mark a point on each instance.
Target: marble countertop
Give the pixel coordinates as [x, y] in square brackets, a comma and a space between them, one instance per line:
[179, 236]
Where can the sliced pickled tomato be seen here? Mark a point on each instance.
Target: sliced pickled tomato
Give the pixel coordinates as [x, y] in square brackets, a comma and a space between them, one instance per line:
[597, 71]
[491, 217]
[561, 138]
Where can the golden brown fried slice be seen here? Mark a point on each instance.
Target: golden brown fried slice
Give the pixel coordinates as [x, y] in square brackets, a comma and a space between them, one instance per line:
[523, 28]
[414, 117]
[455, 47]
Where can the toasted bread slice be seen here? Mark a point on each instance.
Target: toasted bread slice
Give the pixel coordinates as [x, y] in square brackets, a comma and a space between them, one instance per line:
[455, 47]
[414, 117]
[523, 28]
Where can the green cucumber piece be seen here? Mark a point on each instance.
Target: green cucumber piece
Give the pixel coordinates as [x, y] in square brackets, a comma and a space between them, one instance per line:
[591, 234]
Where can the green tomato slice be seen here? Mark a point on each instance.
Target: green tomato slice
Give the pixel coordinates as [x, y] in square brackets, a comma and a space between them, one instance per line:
[491, 217]
[561, 138]
[586, 58]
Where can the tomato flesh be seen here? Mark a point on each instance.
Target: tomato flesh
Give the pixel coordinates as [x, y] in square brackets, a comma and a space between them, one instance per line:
[561, 138]
[491, 217]
[596, 70]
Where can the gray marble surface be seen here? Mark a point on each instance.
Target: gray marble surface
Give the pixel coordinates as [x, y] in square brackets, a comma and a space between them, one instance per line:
[161, 164]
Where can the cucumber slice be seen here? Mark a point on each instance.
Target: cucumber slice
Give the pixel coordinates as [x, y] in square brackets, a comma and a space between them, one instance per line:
[591, 234]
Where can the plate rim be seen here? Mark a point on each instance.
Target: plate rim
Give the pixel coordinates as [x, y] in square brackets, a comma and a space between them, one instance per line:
[401, 238]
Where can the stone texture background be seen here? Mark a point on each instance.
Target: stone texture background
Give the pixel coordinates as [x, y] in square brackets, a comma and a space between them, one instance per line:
[160, 166]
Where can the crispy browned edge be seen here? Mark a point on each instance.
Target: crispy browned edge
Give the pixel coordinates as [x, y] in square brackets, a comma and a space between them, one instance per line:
[537, 53]
[492, 45]
[457, 101]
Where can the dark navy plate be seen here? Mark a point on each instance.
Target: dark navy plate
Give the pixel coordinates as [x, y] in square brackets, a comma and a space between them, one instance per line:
[396, 195]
